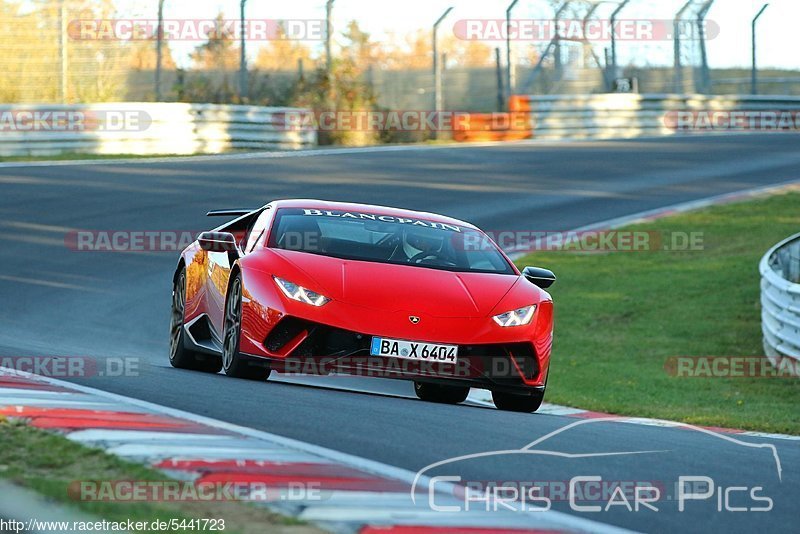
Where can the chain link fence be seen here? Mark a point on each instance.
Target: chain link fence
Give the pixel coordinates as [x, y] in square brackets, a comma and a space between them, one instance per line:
[45, 58]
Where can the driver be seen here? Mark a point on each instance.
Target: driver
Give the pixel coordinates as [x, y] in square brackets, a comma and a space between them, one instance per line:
[418, 245]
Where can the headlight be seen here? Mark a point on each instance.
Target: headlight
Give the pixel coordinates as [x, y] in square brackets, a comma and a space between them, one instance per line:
[519, 317]
[299, 293]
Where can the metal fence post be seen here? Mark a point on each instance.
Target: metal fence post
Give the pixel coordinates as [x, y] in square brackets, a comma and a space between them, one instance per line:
[437, 64]
[159, 45]
[705, 80]
[557, 38]
[510, 71]
[500, 89]
[614, 68]
[588, 51]
[676, 27]
[754, 71]
[328, 51]
[62, 50]
[243, 92]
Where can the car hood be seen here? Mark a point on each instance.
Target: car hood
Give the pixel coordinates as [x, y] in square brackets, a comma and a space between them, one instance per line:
[388, 287]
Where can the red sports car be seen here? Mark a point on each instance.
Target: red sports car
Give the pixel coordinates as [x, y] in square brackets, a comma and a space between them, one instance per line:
[316, 287]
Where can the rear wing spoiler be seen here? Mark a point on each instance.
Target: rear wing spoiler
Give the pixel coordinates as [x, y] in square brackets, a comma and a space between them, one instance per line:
[229, 213]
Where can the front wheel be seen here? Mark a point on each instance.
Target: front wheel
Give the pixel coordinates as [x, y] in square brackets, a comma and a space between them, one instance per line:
[179, 356]
[527, 403]
[233, 362]
[441, 394]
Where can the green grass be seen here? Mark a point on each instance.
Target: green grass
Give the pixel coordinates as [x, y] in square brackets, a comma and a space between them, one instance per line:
[47, 463]
[621, 315]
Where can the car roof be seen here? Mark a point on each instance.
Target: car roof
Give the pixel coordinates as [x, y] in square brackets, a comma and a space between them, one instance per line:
[368, 208]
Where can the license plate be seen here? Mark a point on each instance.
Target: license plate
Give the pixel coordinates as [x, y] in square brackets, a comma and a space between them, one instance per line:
[413, 350]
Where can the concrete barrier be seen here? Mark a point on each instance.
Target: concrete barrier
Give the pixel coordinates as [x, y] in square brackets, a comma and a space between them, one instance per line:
[146, 128]
[780, 300]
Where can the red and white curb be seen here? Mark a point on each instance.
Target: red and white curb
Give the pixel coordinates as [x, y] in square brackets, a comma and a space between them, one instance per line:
[352, 494]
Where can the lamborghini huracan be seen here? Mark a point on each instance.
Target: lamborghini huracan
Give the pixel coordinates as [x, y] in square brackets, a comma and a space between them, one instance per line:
[318, 287]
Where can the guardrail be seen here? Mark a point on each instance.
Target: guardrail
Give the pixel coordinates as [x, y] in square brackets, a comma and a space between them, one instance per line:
[625, 115]
[780, 300]
[147, 128]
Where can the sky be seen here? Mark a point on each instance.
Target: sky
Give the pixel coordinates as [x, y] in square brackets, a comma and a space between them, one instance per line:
[778, 37]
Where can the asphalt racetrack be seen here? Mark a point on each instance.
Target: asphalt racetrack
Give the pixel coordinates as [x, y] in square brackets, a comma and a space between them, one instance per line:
[57, 301]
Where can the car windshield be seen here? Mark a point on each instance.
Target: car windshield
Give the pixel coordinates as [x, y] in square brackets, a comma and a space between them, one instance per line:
[387, 239]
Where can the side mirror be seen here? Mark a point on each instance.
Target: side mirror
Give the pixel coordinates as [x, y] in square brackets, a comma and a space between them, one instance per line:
[217, 242]
[541, 277]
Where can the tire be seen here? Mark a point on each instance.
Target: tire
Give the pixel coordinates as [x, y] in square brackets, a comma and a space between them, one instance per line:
[441, 394]
[179, 356]
[233, 363]
[518, 403]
